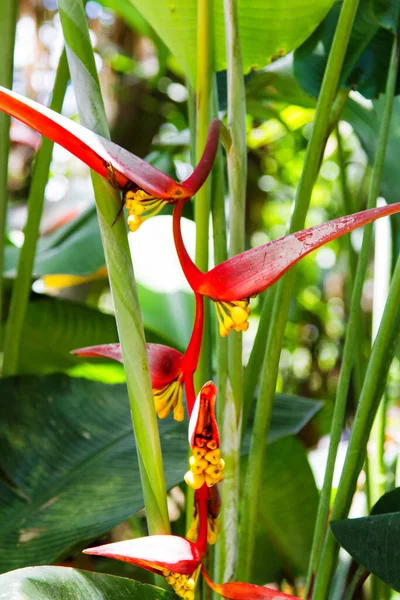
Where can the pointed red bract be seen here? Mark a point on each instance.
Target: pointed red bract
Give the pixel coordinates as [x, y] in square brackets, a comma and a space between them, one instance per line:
[154, 553]
[164, 362]
[245, 591]
[254, 270]
[101, 154]
[202, 421]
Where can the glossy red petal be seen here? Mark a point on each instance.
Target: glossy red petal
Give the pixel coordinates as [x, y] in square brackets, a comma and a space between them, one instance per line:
[202, 421]
[94, 150]
[245, 591]
[254, 270]
[154, 553]
[164, 362]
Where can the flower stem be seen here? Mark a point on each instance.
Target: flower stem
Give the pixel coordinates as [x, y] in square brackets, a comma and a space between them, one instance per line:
[22, 283]
[348, 352]
[237, 174]
[9, 12]
[119, 265]
[352, 327]
[203, 196]
[314, 153]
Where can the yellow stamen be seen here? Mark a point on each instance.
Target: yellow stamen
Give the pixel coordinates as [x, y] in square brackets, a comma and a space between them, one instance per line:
[193, 531]
[169, 398]
[205, 466]
[213, 528]
[232, 315]
[183, 585]
[141, 206]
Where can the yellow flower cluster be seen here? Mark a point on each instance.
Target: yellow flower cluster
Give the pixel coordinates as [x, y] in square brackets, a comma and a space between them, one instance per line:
[183, 585]
[206, 465]
[137, 204]
[232, 315]
[169, 398]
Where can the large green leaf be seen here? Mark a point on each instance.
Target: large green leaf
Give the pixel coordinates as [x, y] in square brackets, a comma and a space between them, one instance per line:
[287, 513]
[61, 583]
[367, 58]
[67, 443]
[53, 327]
[365, 122]
[374, 543]
[268, 29]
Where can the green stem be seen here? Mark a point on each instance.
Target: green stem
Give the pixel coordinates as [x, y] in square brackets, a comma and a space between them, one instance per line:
[252, 371]
[9, 12]
[22, 283]
[237, 175]
[119, 265]
[203, 196]
[378, 366]
[314, 153]
[351, 339]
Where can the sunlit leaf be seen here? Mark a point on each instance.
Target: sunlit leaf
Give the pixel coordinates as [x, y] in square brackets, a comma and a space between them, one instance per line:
[61, 583]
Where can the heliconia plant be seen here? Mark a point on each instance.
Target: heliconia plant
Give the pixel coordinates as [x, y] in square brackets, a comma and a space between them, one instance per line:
[223, 493]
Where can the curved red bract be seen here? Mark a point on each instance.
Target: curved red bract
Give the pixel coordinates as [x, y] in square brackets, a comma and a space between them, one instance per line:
[153, 553]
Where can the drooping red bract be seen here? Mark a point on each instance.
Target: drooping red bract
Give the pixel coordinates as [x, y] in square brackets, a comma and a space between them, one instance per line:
[236, 590]
[105, 157]
[164, 362]
[154, 553]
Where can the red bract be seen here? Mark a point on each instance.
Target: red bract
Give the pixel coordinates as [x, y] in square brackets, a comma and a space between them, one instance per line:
[166, 374]
[164, 362]
[169, 368]
[231, 284]
[155, 553]
[245, 591]
[150, 188]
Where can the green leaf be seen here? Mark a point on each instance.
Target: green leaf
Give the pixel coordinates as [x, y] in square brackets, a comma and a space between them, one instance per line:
[367, 58]
[174, 322]
[287, 513]
[53, 327]
[387, 13]
[68, 443]
[365, 122]
[388, 503]
[290, 414]
[268, 29]
[61, 583]
[374, 543]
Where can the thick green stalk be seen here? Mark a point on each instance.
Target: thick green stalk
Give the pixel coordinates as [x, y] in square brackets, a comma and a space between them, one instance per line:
[284, 290]
[119, 265]
[252, 371]
[22, 283]
[351, 338]
[352, 328]
[204, 87]
[9, 12]
[378, 367]
[237, 175]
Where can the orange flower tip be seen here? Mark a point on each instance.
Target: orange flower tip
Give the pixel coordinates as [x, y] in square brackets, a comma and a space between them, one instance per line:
[140, 206]
[232, 315]
[164, 554]
[245, 591]
[112, 351]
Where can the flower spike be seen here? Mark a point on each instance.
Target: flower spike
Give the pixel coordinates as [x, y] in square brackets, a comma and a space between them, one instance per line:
[166, 374]
[206, 464]
[147, 188]
[232, 283]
